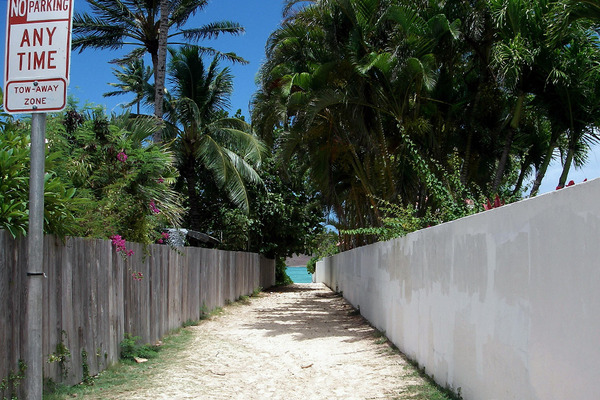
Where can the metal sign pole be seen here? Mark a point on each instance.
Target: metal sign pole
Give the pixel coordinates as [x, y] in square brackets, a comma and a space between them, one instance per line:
[36, 76]
[33, 381]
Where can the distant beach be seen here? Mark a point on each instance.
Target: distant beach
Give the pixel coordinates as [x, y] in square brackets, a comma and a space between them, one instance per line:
[299, 274]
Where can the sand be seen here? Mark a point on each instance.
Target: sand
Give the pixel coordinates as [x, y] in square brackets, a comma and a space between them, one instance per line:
[298, 342]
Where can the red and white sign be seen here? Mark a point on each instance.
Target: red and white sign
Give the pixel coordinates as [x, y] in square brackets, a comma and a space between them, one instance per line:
[38, 49]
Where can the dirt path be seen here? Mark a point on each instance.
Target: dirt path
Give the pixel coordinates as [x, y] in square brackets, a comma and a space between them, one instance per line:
[304, 342]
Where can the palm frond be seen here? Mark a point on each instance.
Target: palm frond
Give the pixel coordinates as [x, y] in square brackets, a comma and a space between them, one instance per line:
[182, 10]
[135, 54]
[213, 30]
[91, 32]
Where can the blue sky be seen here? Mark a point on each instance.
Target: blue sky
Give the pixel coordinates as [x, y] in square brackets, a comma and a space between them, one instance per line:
[91, 71]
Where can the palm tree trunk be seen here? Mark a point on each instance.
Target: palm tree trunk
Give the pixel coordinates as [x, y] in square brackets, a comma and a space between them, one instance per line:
[160, 66]
[193, 197]
[566, 167]
[503, 160]
[541, 172]
[524, 168]
[464, 171]
[514, 124]
[484, 50]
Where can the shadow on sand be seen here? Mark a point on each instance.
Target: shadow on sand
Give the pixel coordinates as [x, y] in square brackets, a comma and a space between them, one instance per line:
[309, 311]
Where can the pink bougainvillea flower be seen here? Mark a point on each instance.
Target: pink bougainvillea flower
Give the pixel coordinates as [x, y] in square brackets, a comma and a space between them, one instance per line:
[160, 241]
[153, 207]
[120, 246]
[122, 156]
[160, 180]
[137, 276]
[118, 242]
[165, 235]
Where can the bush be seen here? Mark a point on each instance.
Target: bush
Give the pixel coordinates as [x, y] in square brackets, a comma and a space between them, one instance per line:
[131, 349]
[61, 205]
[126, 179]
[281, 276]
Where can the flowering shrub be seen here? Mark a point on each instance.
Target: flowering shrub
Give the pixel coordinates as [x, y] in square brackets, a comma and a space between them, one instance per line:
[126, 180]
[121, 248]
[137, 276]
[164, 238]
[153, 207]
[119, 244]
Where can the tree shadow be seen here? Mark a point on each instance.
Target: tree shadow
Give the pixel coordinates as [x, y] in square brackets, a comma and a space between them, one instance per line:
[296, 287]
[311, 311]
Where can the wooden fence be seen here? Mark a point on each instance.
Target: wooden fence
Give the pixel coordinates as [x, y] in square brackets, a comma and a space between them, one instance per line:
[91, 298]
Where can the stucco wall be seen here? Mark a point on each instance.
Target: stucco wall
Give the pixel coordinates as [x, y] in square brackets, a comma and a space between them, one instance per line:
[504, 304]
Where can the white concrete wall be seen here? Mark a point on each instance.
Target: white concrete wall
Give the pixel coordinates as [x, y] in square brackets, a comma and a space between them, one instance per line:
[504, 304]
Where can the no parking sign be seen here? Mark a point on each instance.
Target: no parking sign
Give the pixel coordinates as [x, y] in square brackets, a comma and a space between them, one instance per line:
[38, 49]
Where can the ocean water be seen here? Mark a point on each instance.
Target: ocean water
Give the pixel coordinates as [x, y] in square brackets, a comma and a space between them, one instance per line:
[299, 274]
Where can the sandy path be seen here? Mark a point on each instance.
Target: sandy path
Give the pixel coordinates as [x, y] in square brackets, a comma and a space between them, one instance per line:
[300, 343]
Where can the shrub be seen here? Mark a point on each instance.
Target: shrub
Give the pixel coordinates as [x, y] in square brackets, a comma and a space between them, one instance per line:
[61, 205]
[132, 349]
[126, 179]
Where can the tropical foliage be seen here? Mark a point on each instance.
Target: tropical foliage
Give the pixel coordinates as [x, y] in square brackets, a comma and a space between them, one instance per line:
[102, 178]
[211, 149]
[126, 180]
[134, 77]
[113, 24]
[61, 207]
[381, 116]
[285, 216]
[286, 213]
[426, 106]
[211, 166]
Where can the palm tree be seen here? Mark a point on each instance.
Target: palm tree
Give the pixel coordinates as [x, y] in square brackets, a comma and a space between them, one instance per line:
[415, 103]
[133, 78]
[117, 23]
[347, 81]
[520, 26]
[567, 12]
[161, 65]
[578, 88]
[570, 96]
[208, 145]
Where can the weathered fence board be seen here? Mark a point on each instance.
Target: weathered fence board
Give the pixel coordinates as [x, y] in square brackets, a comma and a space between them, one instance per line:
[91, 299]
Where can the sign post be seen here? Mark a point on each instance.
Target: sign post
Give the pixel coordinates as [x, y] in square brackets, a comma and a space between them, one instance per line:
[33, 381]
[36, 75]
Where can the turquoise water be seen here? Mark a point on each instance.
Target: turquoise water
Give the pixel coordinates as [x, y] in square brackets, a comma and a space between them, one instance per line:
[299, 274]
